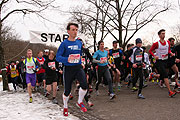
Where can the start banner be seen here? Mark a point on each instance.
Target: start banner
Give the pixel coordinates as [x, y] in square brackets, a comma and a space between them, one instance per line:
[45, 37]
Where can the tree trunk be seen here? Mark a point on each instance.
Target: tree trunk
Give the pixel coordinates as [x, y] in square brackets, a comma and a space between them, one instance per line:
[2, 60]
[120, 23]
[94, 44]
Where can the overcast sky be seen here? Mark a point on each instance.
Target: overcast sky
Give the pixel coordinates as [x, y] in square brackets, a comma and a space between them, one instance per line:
[22, 25]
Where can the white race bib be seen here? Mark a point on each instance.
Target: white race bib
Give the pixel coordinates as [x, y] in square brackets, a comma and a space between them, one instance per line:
[116, 55]
[30, 67]
[76, 58]
[138, 57]
[104, 59]
[51, 64]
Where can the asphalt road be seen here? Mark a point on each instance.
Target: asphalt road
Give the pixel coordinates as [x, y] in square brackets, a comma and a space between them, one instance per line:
[126, 106]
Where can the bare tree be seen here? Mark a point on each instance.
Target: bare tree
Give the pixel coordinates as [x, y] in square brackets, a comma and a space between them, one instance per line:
[127, 17]
[123, 19]
[92, 21]
[31, 6]
[176, 33]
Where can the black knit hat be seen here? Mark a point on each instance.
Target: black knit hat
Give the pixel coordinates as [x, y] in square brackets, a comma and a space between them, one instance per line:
[138, 40]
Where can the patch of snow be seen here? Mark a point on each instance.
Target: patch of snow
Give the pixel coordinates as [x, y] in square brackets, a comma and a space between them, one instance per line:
[16, 106]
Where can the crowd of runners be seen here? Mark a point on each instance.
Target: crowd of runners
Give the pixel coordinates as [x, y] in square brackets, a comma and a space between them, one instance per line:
[74, 64]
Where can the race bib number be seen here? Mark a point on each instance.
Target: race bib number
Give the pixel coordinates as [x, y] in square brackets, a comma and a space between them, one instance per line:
[83, 61]
[75, 58]
[104, 59]
[138, 57]
[116, 55]
[51, 64]
[30, 67]
[13, 72]
[164, 57]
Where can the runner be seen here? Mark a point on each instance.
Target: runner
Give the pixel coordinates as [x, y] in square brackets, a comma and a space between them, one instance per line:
[18, 77]
[162, 48]
[100, 57]
[146, 67]
[137, 61]
[115, 73]
[172, 63]
[128, 65]
[154, 73]
[41, 72]
[30, 66]
[117, 54]
[46, 53]
[69, 53]
[13, 73]
[86, 62]
[22, 75]
[50, 66]
[59, 75]
[177, 52]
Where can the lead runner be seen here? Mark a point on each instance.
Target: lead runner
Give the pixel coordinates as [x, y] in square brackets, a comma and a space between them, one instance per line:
[69, 53]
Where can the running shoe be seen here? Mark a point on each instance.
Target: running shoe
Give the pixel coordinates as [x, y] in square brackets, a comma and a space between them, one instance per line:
[140, 96]
[57, 88]
[97, 92]
[172, 94]
[134, 89]
[30, 100]
[24, 90]
[90, 104]
[82, 106]
[65, 112]
[17, 88]
[70, 97]
[54, 101]
[112, 96]
[160, 84]
[145, 85]
[164, 86]
[47, 94]
[152, 81]
[90, 90]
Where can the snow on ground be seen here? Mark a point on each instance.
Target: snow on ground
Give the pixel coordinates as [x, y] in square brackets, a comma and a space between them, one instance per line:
[16, 106]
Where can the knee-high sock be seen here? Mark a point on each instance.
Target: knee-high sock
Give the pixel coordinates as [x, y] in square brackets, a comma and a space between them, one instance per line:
[65, 101]
[82, 93]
